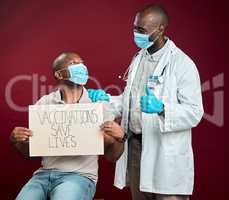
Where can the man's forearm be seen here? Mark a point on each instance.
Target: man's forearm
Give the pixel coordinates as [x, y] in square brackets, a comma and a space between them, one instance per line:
[22, 147]
[114, 151]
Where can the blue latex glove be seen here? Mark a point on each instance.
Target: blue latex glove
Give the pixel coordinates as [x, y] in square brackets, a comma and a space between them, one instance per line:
[150, 103]
[98, 95]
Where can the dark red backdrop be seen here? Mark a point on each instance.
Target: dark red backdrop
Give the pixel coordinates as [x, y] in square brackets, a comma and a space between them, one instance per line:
[34, 32]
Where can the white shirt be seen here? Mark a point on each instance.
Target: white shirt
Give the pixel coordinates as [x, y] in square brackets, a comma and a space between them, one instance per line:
[84, 165]
[146, 68]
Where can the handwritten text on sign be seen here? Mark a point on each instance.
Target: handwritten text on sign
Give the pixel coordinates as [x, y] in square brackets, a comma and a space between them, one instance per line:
[71, 129]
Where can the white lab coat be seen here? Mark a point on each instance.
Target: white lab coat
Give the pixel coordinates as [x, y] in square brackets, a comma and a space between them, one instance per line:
[167, 157]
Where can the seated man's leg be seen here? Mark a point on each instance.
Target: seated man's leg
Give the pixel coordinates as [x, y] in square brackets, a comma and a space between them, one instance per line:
[36, 188]
[72, 186]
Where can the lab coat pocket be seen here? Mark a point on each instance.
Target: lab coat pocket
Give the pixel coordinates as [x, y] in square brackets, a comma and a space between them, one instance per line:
[157, 90]
[176, 143]
[149, 122]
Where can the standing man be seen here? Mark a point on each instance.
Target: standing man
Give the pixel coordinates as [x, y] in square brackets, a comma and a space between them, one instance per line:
[160, 105]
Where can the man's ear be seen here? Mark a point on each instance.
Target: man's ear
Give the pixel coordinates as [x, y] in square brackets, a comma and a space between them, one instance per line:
[58, 75]
[162, 29]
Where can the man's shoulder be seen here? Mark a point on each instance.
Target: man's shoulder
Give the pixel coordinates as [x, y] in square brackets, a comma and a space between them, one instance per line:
[138, 53]
[179, 56]
[48, 99]
[182, 64]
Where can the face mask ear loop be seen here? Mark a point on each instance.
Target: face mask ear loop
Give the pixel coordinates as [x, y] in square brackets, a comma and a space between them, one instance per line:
[155, 38]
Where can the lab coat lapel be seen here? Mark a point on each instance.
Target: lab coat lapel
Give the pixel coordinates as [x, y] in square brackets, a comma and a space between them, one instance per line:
[164, 61]
[135, 67]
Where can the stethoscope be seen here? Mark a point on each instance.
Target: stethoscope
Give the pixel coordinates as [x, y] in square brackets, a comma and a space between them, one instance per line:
[124, 77]
[159, 78]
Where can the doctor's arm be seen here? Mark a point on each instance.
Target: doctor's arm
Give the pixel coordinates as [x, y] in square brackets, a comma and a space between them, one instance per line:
[116, 102]
[116, 105]
[188, 111]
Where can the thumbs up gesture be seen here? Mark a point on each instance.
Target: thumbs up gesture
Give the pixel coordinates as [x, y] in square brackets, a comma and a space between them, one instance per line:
[150, 103]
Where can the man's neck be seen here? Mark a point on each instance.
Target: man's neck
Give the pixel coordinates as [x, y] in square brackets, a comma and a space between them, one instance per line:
[158, 45]
[71, 94]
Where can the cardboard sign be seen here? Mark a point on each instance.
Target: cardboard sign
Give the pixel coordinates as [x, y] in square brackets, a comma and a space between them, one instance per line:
[64, 130]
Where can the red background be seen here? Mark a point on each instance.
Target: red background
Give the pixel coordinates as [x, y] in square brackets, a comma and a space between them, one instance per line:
[33, 33]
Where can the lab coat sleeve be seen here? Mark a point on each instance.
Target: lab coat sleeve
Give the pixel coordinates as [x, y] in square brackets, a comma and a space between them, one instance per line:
[187, 111]
[116, 105]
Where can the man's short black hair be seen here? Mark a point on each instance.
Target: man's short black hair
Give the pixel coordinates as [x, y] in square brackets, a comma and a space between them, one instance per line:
[155, 8]
[58, 62]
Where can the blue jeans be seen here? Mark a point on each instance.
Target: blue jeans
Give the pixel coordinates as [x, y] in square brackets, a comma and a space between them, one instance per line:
[56, 185]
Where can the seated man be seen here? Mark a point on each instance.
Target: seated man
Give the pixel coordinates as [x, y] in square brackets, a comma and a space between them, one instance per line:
[67, 177]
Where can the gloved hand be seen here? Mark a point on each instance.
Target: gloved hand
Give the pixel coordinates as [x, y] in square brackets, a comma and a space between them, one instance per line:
[150, 103]
[98, 95]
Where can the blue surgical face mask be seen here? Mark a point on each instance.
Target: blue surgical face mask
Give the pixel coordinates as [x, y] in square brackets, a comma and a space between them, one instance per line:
[143, 40]
[78, 74]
